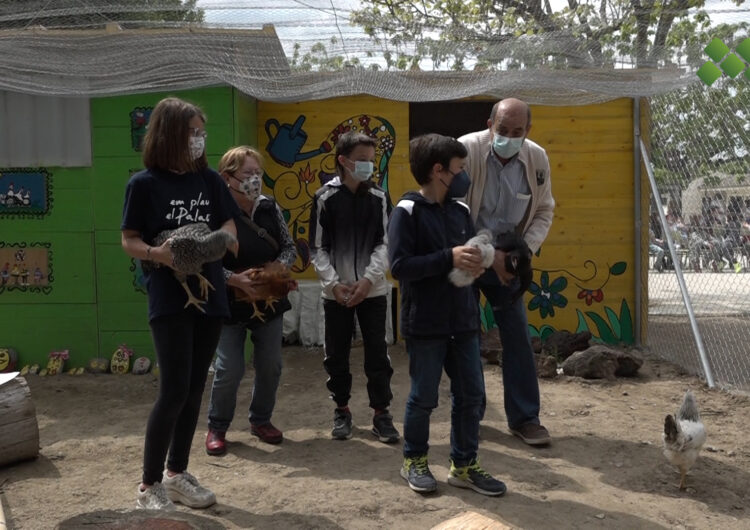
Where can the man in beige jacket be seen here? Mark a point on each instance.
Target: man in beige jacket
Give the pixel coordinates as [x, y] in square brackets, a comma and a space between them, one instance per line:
[511, 190]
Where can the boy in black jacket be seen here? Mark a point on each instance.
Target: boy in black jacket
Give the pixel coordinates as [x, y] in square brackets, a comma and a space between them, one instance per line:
[348, 245]
[440, 321]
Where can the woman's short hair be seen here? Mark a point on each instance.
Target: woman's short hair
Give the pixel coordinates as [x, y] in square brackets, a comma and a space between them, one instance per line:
[166, 145]
[235, 158]
[429, 149]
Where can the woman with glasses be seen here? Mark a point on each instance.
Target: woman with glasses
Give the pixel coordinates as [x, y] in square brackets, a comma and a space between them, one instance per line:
[264, 237]
[176, 189]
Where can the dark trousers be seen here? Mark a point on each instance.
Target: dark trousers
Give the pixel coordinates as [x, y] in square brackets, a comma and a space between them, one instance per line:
[520, 384]
[459, 357]
[339, 326]
[185, 344]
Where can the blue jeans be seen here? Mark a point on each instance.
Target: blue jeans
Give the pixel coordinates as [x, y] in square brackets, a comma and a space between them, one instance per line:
[459, 356]
[520, 384]
[230, 367]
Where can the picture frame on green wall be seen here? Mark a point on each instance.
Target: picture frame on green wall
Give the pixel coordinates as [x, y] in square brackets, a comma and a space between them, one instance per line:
[139, 117]
[25, 192]
[26, 267]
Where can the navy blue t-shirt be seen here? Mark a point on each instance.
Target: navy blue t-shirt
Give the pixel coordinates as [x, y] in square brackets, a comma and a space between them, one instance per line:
[157, 200]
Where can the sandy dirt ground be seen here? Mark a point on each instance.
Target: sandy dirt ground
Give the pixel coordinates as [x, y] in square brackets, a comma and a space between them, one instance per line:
[605, 468]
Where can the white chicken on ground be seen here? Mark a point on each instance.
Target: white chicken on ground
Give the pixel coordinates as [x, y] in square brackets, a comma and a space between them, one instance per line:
[684, 435]
[482, 241]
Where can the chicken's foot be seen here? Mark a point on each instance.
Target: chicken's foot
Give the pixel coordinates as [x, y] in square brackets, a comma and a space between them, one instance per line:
[192, 300]
[257, 313]
[205, 285]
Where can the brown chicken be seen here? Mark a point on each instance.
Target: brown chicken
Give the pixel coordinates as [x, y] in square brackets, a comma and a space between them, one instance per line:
[274, 282]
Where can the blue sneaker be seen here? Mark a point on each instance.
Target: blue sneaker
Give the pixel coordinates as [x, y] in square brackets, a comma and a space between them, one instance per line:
[475, 478]
[417, 473]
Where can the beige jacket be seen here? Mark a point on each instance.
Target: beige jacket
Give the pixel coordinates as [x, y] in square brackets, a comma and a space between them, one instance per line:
[536, 167]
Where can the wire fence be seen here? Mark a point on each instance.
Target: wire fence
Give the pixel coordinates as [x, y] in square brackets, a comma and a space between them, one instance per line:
[702, 173]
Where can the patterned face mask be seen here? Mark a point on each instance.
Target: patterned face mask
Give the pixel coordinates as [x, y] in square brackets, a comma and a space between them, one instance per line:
[197, 146]
[250, 187]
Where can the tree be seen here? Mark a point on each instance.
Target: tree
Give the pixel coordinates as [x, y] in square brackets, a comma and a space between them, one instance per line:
[67, 14]
[319, 59]
[587, 33]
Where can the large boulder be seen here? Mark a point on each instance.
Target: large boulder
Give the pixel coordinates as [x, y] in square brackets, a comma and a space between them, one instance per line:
[562, 344]
[601, 362]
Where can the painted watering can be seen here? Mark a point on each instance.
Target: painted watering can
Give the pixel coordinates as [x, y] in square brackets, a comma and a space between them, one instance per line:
[285, 144]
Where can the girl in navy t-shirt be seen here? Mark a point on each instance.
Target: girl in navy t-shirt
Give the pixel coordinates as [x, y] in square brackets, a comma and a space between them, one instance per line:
[175, 189]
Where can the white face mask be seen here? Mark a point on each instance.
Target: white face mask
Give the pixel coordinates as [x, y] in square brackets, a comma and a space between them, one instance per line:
[251, 187]
[197, 146]
[362, 170]
[506, 147]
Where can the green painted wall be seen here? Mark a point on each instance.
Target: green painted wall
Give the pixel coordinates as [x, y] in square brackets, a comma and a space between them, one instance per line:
[93, 305]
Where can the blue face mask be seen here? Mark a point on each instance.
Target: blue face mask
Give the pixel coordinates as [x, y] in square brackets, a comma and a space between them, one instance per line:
[506, 147]
[459, 186]
[362, 170]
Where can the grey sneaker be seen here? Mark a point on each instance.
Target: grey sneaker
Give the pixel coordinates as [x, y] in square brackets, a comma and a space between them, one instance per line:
[185, 489]
[382, 427]
[154, 498]
[342, 425]
[417, 474]
[475, 478]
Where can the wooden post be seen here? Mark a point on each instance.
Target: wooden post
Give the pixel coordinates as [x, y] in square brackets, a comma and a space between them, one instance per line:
[19, 432]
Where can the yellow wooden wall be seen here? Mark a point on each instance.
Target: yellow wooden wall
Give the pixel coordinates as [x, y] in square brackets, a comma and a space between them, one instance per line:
[292, 178]
[584, 277]
[590, 247]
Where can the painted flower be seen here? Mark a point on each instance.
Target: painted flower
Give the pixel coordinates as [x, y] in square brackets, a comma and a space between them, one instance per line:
[306, 174]
[386, 143]
[591, 295]
[547, 296]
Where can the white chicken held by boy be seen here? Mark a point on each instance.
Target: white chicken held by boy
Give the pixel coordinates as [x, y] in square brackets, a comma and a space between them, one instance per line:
[482, 241]
[684, 435]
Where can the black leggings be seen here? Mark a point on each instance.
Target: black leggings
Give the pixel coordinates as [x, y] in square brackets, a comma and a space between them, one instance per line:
[185, 344]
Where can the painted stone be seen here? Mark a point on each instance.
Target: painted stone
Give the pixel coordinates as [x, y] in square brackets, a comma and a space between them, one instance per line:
[141, 365]
[98, 365]
[30, 369]
[8, 360]
[121, 360]
[56, 362]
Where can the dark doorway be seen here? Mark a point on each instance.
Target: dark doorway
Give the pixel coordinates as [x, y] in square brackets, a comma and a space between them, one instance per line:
[450, 118]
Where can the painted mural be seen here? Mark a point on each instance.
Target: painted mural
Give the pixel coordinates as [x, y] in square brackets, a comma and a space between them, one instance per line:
[608, 321]
[25, 267]
[25, 192]
[302, 164]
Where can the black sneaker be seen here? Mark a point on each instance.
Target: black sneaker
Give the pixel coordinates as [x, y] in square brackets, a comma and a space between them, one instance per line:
[342, 425]
[417, 473]
[383, 429]
[476, 478]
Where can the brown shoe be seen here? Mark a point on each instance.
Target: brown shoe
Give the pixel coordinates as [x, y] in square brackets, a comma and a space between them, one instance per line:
[532, 434]
[267, 432]
[215, 443]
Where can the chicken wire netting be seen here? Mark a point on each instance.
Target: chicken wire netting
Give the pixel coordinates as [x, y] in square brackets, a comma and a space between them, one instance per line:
[293, 50]
[702, 171]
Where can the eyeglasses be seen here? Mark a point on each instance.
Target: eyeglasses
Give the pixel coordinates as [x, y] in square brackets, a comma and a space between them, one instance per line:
[248, 174]
[195, 132]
